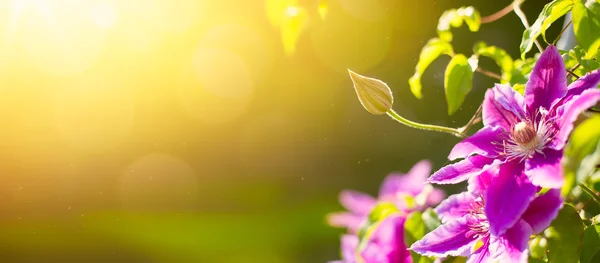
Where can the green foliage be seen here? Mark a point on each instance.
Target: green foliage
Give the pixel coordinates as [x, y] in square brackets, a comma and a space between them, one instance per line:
[538, 247]
[586, 25]
[458, 80]
[418, 224]
[580, 55]
[582, 153]
[591, 244]
[430, 52]
[564, 236]
[551, 12]
[499, 55]
[455, 18]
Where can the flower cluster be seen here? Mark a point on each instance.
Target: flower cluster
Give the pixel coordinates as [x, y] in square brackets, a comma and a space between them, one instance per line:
[508, 162]
[386, 243]
[514, 173]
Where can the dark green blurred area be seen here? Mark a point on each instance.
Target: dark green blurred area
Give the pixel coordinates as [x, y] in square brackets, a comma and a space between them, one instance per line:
[269, 206]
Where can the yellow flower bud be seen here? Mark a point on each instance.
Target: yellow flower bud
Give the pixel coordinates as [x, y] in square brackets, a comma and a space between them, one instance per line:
[375, 96]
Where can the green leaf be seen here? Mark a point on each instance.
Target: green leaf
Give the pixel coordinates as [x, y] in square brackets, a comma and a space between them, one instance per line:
[535, 260]
[430, 52]
[564, 236]
[414, 229]
[458, 81]
[499, 55]
[586, 26]
[431, 220]
[581, 153]
[551, 12]
[580, 55]
[454, 18]
[538, 247]
[591, 243]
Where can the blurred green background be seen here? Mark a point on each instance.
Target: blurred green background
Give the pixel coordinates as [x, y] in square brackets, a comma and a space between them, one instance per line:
[210, 131]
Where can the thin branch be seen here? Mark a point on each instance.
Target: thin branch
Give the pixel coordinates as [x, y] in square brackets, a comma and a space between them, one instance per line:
[561, 32]
[495, 16]
[488, 73]
[572, 73]
[523, 17]
[473, 120]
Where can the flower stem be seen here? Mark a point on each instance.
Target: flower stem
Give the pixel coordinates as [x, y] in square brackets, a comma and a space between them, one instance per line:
[561, 32]
[589, 192]
[523, 17]
[473, 120]
[422, 126]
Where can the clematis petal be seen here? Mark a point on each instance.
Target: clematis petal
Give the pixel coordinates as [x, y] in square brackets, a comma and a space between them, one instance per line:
[435, 197]
[482, 255]
[545, 170]
[507, 197]
[386, 243]
[455, 206]
[483, 142]
[357, 202]
[502, 106]
[349, 244]
[411, 183]
[449, 239]
[570, 110]
[352, 222]
[542, 210]
[460, 171]
[547, 81]
[479, 183]
[512, 245]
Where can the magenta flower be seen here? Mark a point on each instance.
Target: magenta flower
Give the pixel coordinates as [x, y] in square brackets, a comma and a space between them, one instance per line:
[465, 229]
[395, 188]
[525, 136]
[386, 243]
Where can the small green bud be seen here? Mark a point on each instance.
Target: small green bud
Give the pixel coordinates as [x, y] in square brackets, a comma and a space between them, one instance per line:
[375, 96]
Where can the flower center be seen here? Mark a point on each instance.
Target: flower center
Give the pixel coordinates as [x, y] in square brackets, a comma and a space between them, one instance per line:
[477, 221]
[527, 138]
[524, 134]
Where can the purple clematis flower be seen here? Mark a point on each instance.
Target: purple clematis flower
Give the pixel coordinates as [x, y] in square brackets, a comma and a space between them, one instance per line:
[386, 243]
[395, 188]
[524, 136]
[465, 229]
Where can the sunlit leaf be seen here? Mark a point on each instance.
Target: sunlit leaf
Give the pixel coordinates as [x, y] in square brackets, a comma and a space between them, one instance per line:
[582, 152]
[414, 229]
[457, 81]
[538, 247]
[430, 52]
[323, 8]
[455, 18]
[564, 236]
[520, 73]
[293, 22]
[551, 12]
[579, 54]
[499, 55]
[591, 244]
[431, 220]
[586, 26]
